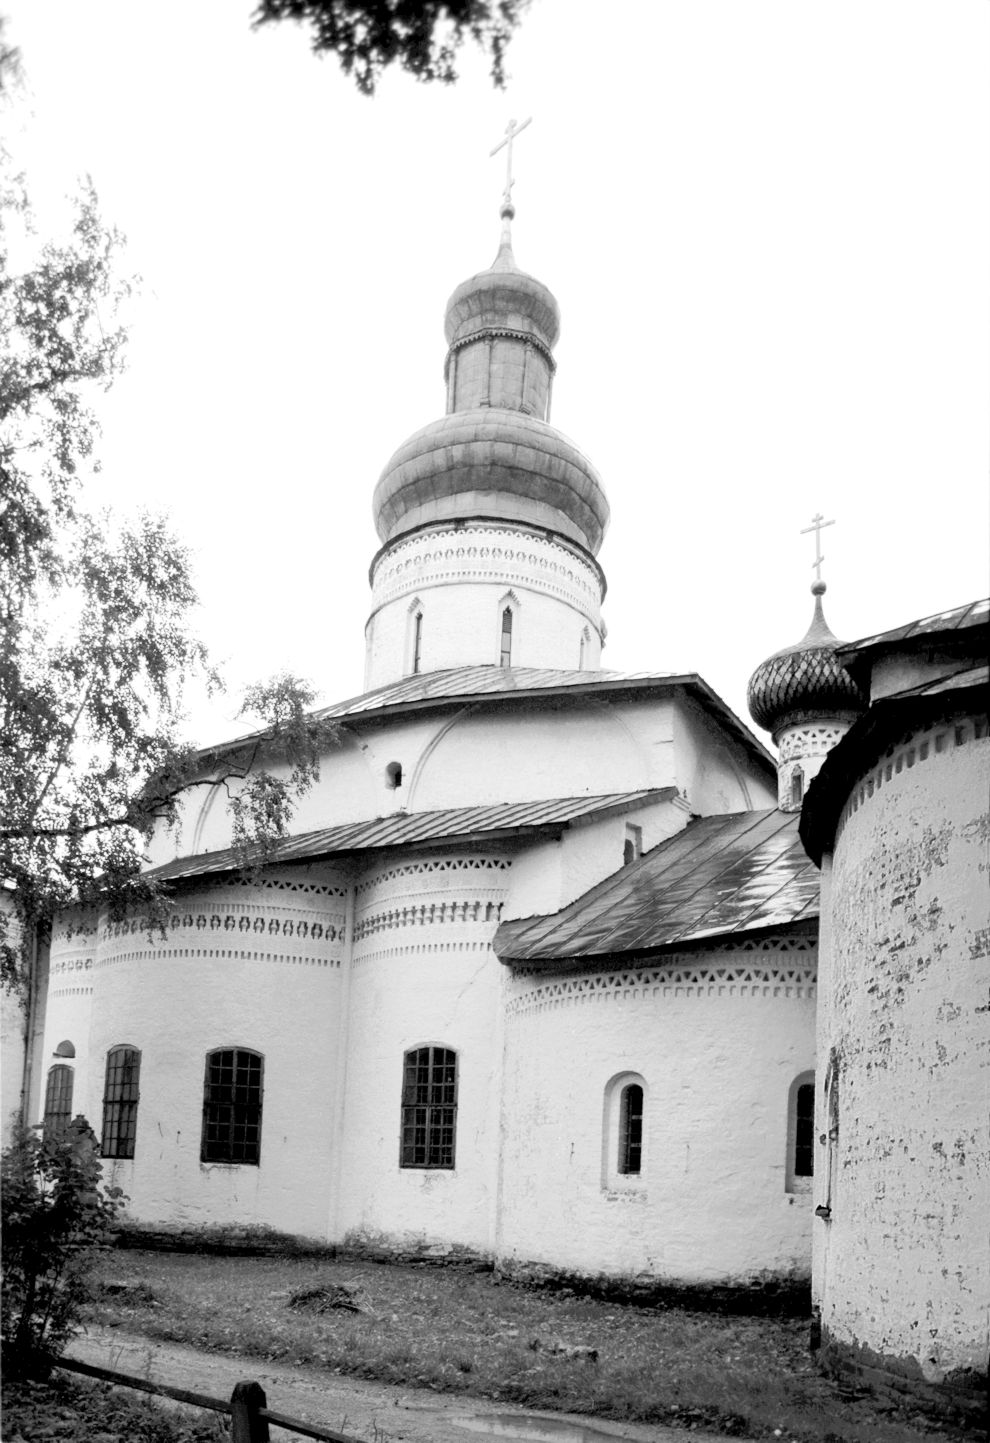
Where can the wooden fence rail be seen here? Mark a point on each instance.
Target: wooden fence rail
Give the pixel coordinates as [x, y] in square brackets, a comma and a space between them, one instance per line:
[247, 1409]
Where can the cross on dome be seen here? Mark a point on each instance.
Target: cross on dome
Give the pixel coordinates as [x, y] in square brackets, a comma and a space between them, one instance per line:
[511, 131]
[818, 524]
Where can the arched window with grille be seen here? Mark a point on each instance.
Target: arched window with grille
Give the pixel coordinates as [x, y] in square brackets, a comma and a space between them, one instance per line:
[58, 1100]
[232, 1095]
[801, 1133]
[429, 1107]
[505, 638]
[120, 1101]
[623, 1133]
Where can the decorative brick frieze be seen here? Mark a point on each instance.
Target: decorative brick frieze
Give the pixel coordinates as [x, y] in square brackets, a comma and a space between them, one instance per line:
[479, 553]
[680, 975]
[914, 748]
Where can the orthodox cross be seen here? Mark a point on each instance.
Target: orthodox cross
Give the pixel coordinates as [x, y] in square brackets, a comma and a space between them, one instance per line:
[511, 131]
[818, 524]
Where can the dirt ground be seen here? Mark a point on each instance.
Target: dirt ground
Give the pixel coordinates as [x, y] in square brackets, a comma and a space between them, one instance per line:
[376, 1412]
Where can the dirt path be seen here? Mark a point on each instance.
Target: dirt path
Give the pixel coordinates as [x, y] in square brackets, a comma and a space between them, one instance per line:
[376, 1412]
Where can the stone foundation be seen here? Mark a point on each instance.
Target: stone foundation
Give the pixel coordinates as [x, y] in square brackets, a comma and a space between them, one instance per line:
[959, 1396]
[759, 1296]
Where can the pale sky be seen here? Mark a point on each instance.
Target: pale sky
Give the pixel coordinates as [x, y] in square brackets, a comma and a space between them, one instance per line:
[767, 223]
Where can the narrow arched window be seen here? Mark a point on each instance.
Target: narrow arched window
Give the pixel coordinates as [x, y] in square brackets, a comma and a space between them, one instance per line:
[120, 1102]
[797, 787]
[58, 1100]
[417, 643]
[804, 1131]
[232, 1106]
[393, 775]
[429, 1107]
[631, 1129]
[505, 645]
[801, 1133]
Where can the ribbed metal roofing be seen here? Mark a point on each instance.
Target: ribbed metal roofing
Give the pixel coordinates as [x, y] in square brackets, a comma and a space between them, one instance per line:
[720, 876]
[403, 829]
[975, 613]
[465, 685]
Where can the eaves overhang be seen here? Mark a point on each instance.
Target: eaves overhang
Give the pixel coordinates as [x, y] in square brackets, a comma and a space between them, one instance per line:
[868, 738]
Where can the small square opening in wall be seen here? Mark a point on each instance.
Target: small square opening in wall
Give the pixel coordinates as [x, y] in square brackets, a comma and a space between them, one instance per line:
[632, 848]
[393, 776]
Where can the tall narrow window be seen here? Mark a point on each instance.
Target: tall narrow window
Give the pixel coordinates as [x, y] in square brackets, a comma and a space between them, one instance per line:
[804, 1131]
[429, 1107]
[505, 651]
[632, 848]
[417, 643]
[120, 1102]
[58, 1100]
[631, 1129]
[797, 787]
[232, 1106]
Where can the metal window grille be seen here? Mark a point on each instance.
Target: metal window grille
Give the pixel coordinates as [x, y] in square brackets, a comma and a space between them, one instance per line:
[232, 1106]
[804, 1131]
[631, 1129]
[120, 1102]
[429, 1107]
[58, 1100]
[505, 654]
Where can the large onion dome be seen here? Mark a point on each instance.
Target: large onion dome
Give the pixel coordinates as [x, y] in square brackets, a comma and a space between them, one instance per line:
[805, 680]
[494, 455]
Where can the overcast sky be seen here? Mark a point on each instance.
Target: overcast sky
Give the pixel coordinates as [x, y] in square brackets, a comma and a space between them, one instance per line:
[767, 223]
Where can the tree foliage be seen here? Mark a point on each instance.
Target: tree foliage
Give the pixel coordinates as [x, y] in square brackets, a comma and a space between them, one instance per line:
[57, 1214]
[95, 616]
[421, 36]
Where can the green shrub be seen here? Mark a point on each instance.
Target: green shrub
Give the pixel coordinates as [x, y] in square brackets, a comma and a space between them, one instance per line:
[56, 1215]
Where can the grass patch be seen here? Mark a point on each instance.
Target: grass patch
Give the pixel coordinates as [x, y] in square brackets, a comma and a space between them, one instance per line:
[75, 1412]
[468, 1333]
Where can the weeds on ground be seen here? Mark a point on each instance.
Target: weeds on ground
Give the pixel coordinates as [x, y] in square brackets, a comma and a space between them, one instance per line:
[78, 1412]
[463, 1332]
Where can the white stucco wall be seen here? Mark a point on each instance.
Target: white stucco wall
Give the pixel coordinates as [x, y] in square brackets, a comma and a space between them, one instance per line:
[718, 1038]
[461, 578]
[423, 973]
[69, 1012]
[714, 773]
[901, 1265]
[234, 970]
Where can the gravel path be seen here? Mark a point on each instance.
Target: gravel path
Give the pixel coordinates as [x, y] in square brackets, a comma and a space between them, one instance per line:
[376, 1412]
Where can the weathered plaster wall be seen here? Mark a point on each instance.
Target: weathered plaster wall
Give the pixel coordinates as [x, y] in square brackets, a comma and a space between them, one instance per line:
[461, 578]
[717, 1038]
[902, 1270]
[423, 972]
[252, 964]
[714, 774]
[547, 875]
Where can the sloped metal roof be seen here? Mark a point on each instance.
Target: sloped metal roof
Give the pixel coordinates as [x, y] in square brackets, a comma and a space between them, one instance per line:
[974, 613]
[468, 681]
[721, 875]
[403, 829]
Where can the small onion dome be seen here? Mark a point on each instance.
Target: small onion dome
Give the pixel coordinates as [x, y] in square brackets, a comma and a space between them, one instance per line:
[492, 463]
[503, 298]
[804, 680]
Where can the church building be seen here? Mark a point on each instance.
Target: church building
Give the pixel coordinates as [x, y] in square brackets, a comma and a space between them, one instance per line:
[534, 979]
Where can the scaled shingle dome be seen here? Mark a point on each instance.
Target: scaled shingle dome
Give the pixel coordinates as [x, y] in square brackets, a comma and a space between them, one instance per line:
[803, 680]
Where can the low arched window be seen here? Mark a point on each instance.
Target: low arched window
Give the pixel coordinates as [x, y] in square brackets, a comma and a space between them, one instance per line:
[58, 1100]
[429, 1107]
[120, 1102]
[232, 1092]
[393, 775]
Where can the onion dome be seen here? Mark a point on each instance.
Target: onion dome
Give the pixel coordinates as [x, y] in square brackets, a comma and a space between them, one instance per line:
[503, 298]
[494, 454]
[805, 680]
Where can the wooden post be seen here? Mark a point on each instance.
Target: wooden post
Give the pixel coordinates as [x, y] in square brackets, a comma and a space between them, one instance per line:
[245, 1425]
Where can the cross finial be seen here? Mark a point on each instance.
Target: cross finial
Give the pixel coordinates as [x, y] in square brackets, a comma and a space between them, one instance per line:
[511, 131]
[818, 524]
